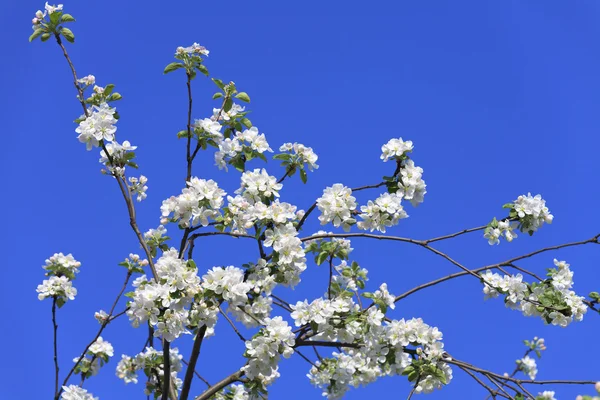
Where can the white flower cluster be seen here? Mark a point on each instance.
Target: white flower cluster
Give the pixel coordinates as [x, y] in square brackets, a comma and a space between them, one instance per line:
[48, 10]
[227, 115]
[532, 212]
[138, 187]
[201, 200]
[120, 154]
[289, 254]
[547, 395]
[383, 353]
[100, 125]
[382, 213]
[61, 287]
[395, 149]
[259, 186]
[233, 392]
[264, 350]
[101, 348]
[155, 235]
[528, 366]
[552, 299]
[527, 213]
[99, 353]
[497, 229]
[300, 155]
[74, 392]
[61, 269]
[163, 303]
[193, 49]
[408, 180]
[59, 265]
[208, 129]
[337, 205]
[241, 214]
[228, 283]
[151, 363]
[101, 316]
[247, 141]
[412, 186]
[87, 80]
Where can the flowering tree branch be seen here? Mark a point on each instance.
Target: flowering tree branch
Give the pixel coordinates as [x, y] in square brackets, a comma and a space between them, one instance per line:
[364, 343]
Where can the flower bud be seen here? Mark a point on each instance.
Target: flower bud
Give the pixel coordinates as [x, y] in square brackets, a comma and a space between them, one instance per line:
[35, 21]
[39, 14]
[597, 387]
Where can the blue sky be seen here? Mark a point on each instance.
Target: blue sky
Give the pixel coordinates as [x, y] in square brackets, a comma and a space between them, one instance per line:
[500, 99]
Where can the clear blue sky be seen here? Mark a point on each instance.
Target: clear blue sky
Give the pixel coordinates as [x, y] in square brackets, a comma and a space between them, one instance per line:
[499, 97]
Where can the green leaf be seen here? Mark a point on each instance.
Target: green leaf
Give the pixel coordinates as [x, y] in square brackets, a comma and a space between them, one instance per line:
[321, 257]
[202, 69]
[246, 122]
[108, 89]
[182, 134]
[228, 104]
[115, 96]
[191, 264]
[282, 156]
[67, 18]
[217, 95]
[36, 34]
[45, 37]
[60, 302]
[219, 83]
[55, 17]
[67, 34]
[303, 176]
[172, 67]
[595, 296]
[243, 96]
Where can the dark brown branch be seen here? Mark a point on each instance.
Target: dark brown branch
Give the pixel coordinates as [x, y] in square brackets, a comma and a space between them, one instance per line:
[321, 343]
[56, 369]
[122, 182]
[189, 372]
[560, 246]
[166, 384]
[235, 377]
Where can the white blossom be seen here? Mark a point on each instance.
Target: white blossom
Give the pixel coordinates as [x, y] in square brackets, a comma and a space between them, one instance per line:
[395, 148]
[337, 205]
[74, 392]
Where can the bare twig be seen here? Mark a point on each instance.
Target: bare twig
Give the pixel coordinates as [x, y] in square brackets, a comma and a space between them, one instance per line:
[197, 374]
[220, 385]
[104, 324]
[56, 369]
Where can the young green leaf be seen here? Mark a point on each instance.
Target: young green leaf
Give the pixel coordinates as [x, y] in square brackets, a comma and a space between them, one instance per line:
[243, 96]
[67, 34]
[172, 67]
[36, 34]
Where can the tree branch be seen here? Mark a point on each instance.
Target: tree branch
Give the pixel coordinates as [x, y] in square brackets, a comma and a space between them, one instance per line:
[235, 377]
[56, 369]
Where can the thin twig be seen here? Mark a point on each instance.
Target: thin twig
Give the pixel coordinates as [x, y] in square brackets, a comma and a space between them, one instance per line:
[197, 374]
[220, 385]
[104, 324]
[56, 369]
[235, 329]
